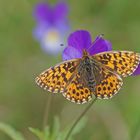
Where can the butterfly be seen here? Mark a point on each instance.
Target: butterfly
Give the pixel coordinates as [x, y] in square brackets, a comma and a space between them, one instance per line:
[99, 75]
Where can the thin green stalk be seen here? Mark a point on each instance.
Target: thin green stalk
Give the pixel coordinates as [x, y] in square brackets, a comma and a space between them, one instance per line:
[47, 110]
[79, 118]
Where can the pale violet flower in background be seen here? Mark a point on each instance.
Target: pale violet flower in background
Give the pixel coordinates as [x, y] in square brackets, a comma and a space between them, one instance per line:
[52, 26]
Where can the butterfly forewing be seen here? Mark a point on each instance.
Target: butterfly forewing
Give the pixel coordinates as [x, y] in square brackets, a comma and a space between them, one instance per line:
[56, 78]
[123, 63]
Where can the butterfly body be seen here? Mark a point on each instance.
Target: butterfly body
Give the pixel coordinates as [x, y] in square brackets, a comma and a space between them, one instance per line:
[89, 71]
[99, 75]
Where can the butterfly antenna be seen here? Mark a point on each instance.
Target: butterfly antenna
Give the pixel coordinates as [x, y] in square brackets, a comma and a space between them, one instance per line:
[94, 42]
[79, 118]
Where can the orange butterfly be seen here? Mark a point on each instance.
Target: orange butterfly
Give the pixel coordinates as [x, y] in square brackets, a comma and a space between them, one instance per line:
[99, 75]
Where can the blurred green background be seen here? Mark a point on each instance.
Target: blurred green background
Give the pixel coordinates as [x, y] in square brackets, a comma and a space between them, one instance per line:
[22, 103]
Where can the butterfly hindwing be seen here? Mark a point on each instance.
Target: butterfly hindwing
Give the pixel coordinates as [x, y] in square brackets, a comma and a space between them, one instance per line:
[109, 85]
[77, 92]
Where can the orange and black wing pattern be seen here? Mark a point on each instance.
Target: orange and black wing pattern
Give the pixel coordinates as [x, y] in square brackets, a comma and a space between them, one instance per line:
[109, 85]
[123, 63]
[77, 92]
[55, 79]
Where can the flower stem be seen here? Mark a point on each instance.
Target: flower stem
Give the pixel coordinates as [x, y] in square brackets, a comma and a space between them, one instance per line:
[46, 112]
[79, 118]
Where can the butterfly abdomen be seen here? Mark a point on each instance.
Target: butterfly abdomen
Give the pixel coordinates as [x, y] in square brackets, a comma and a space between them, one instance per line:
[87, 74]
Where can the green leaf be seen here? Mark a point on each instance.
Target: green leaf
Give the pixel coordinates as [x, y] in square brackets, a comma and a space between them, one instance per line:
[76, 130]
[47, 133]
[56, 134]
[79, 126]
[56, 128]
[11, 132]
[38, 133]
[42, 135]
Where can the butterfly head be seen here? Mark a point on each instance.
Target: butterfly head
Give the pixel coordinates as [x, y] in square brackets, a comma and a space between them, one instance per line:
[85, 53]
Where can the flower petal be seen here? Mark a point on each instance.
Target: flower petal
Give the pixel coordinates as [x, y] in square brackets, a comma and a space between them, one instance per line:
[42, 12]
[137, 71]
[64, 28]
[52, 48]
[39, 31]
[71, 53]
[80, 40]
[100, 45]
[60, 11]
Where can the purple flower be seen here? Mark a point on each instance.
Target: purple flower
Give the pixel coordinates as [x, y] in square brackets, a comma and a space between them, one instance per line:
[81, 40]
[137, 71]
[52, 26]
